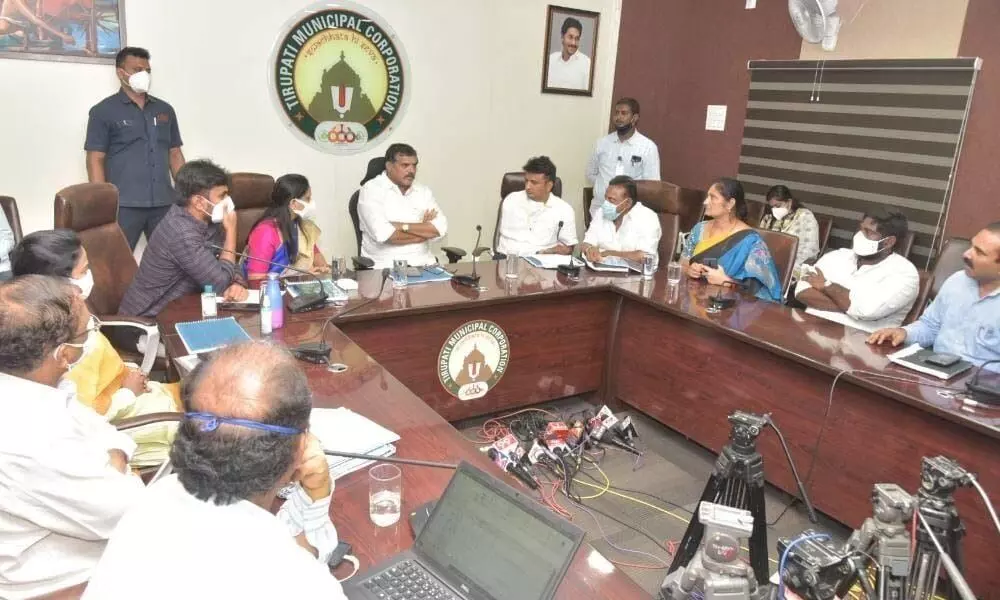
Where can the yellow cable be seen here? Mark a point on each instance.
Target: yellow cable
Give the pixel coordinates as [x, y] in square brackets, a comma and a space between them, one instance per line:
[607, 484]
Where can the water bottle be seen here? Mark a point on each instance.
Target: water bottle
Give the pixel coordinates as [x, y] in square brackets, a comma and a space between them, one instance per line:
[209, 310]
[265, 308]
[277, 306]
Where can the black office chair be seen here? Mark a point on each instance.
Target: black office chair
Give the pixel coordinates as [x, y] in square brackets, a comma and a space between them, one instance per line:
[375, 168]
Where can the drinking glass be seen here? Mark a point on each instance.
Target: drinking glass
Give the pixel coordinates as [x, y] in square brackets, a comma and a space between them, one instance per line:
[511, 266]
[399, 267]
[385, 494]
[648, 266]
[338, 268]
[674, 272]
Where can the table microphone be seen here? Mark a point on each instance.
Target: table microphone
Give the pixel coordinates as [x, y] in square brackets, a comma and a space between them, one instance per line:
[305, 302]
[319, 352]
[471, 280]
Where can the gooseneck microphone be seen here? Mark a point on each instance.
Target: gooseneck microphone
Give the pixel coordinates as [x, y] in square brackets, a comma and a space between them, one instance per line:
[473, 279]
[305, 302]
[319, 352]
[392, 459]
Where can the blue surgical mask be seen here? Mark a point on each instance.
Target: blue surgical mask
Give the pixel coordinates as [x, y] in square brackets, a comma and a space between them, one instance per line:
[609, 210]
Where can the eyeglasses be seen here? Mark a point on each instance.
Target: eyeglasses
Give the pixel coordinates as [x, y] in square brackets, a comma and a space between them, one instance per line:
[95, 327]
[210, 422]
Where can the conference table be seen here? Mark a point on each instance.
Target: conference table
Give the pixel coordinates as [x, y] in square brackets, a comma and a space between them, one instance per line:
[651, 346]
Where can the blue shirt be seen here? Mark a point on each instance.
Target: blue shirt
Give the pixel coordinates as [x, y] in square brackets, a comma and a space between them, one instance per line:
[137, 142]
[960, 322]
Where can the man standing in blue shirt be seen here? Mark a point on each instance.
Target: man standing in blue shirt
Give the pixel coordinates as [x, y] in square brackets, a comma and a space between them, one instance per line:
[133, 141]
[964, 318]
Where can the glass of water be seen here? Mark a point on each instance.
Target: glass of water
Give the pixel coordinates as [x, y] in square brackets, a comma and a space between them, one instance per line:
[399, 267]
[511, 266]
[385, 494]
[648, 266]
[674, 272]
[338, 267]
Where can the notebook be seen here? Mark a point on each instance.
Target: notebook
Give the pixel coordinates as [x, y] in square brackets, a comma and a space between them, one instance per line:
[211, 334]
[345, 430]
[252, 302]
[551, 261]
[914, 357]
[484, 541]
[333, 291]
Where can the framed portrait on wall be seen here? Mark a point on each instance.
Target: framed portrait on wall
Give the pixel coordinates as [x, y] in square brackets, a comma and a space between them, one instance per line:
[91, 31]
[570, 49]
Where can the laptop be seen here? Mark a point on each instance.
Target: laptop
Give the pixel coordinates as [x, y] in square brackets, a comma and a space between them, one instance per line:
[484, 541]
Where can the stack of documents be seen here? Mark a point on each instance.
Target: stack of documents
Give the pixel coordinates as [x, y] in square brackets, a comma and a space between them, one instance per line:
[551, 261]
[345, 430]
[427, 275]
[333, 291]
[613, 264]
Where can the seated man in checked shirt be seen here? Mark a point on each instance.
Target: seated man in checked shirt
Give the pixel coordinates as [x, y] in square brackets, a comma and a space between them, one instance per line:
[244, 437]
[867, 286]
[180, 259]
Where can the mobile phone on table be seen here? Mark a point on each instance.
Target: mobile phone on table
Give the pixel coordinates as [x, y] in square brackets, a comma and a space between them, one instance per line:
[942, 359]
[342, 550]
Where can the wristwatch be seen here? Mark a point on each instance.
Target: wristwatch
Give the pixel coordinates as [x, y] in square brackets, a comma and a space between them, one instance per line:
[406, 227]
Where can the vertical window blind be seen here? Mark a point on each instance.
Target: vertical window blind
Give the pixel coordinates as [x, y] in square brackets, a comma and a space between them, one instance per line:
[849, 136]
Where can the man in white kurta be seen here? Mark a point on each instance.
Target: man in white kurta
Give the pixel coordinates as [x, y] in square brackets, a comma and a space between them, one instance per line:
[623, 227]
[569, 69]
[624, 151]
[534, 220]
[243, 438]
[399, 217]
[64, 477]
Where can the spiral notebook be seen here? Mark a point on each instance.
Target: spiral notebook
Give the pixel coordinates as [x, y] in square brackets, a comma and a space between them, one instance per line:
[200, 337]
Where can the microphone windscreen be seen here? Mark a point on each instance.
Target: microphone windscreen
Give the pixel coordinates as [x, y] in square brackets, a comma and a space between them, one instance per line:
[479, 227]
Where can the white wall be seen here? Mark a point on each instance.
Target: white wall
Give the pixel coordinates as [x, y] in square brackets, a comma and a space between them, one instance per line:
[475, 110]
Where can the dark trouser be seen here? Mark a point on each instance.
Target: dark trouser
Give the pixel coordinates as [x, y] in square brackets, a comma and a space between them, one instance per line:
[135, 221]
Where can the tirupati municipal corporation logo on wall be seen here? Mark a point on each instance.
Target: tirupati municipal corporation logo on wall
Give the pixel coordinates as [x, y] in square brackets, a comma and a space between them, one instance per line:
[473, 359]
[339, 75]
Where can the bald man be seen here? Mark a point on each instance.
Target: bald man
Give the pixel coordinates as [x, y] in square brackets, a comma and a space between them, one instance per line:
[244, 437]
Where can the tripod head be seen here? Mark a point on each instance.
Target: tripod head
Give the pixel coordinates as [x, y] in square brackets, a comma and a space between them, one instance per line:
[892, 504]
[744, 431]
[940, 476]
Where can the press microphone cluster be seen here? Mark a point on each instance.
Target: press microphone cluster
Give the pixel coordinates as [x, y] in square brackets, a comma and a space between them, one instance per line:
[304, 302]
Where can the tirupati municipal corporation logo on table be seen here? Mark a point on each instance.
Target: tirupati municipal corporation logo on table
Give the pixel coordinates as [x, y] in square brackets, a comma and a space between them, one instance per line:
[473, 359]
[340, 76]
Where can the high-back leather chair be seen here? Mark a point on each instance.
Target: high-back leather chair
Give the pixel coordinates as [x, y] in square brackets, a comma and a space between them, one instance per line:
[588, 197]
[755, 212]
[783, 248]
[91, 210]
[949, 262]
[510, 183]
[923, 294]
[668, 202]
[904, 247]
[825, 227]
[251, 194]
[9, 206]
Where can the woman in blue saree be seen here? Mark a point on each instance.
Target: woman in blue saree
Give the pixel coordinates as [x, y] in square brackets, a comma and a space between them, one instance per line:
[726, 249]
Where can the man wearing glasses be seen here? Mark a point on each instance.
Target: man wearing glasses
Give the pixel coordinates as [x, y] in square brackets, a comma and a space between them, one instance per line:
[64, 473]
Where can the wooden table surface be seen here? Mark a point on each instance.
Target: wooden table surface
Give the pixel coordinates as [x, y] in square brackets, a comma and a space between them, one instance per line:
[652, 346]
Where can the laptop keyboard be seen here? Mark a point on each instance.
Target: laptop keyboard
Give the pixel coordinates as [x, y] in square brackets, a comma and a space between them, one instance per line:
[407, 580]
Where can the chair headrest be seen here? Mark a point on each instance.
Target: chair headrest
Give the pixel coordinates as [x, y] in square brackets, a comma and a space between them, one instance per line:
[251, 190]
[375, 168]
[660, 196]
[86, 206]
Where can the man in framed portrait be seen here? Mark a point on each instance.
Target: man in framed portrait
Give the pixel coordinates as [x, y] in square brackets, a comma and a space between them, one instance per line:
[569, 68]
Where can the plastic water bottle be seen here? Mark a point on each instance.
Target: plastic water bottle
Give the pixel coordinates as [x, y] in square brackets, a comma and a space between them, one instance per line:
[209, 310]
[277, 305]
[265, 308]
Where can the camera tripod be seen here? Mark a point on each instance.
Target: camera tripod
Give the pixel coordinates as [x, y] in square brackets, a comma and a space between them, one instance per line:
[737, 481]
[939, 478]
[884, 536]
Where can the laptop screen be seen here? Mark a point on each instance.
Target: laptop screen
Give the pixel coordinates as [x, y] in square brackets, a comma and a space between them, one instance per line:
[496, 541]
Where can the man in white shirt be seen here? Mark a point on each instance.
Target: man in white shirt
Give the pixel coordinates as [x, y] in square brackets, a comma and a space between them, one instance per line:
[534, 220]
[622, 228]
[867, 286]
[399, 218]
[244, 437]
[624, 152]
[569, 69]
[64, 477]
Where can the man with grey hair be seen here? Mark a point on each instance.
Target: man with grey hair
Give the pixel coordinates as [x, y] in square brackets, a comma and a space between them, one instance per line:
[64, 475]
[243, 438]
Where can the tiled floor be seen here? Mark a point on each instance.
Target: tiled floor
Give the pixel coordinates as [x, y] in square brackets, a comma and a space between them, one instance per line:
[676, 470]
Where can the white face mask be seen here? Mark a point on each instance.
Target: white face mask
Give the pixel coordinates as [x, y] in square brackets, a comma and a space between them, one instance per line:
[140, 81]
[90, 341]
[780, 212]
[863, 246]
[220, 210]
[85, 283]
[308, 211]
